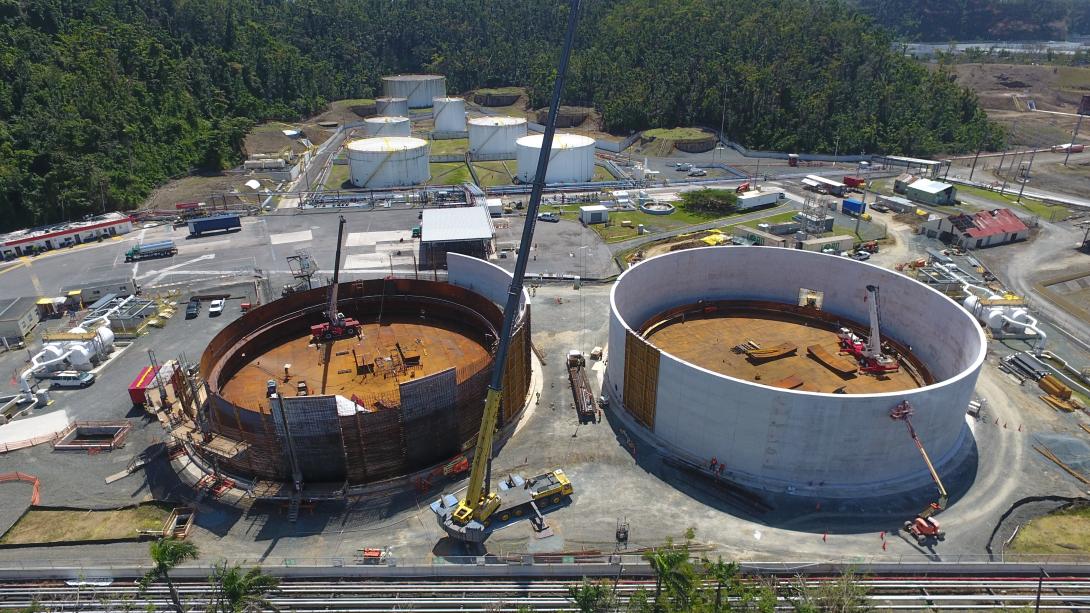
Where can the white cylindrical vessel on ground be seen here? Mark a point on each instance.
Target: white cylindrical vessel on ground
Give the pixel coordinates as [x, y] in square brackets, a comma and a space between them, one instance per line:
[571, 159]
[495, 136]
[392, 107]
[418, 89]
[387, 126]
[393, 161]
[449, 114]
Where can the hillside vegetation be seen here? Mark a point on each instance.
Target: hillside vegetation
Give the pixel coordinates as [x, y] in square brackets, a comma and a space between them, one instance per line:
[102, 100]
[988, 20]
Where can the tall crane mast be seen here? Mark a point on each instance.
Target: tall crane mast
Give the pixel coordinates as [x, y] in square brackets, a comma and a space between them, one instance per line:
[874, 342]
[480, 502]
[336, 326]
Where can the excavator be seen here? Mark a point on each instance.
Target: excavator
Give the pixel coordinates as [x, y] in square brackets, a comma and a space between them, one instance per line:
[471, 518]
[869, 352]
[924, 527]
[337, 326]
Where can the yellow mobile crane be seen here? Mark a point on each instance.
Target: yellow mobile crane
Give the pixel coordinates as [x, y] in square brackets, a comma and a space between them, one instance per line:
[470, 518]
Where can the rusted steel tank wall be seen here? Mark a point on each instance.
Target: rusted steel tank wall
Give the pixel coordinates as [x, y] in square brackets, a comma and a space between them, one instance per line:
[375, 446]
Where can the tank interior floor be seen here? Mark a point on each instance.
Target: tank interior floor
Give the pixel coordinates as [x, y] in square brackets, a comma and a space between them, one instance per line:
[707, 341]
[367, 367]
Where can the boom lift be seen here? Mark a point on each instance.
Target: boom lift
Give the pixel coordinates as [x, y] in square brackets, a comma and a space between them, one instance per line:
[923, 527]
[869, 353]
[469, 519]
[336, 326]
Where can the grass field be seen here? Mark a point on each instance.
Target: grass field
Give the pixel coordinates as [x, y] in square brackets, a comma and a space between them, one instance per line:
[449, 173]
[680, 218]
[601, 174]
[46, 525]
[1028, 205]
[494, 173]
[453, 145]
[676, 133]
[1066, 531]
[338, 176]
[500, 90]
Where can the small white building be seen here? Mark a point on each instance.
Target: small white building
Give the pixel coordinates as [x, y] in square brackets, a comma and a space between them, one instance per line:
[34, 240]
[495, 207]
[594, 213]
[467, 230]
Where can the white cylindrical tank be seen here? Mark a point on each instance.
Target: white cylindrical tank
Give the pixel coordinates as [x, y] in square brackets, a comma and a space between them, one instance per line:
[495, 136]
[449, 114]
[571, 159]
[105, 338]
[80, 356]
[392, 107]
[388, 162]
[418, 89]
[971, 303]
[387, 126]
[994, 317]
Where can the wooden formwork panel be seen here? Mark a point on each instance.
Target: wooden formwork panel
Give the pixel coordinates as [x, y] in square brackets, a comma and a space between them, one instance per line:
[641, 378]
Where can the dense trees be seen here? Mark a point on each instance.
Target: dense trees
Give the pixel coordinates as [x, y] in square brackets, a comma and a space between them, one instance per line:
[102, 100]
[968, 20]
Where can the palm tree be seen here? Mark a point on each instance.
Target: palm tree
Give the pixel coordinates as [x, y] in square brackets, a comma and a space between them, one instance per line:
[724, 574]
[672, 571]
[166, 553]
[592, 597]
[239, 592]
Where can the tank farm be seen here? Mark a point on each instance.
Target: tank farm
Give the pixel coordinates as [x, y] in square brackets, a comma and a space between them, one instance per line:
[403, 397]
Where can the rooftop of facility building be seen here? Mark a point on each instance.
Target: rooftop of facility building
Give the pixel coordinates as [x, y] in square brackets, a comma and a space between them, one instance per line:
[930, 187]
[30, 234]
[14, 308]
[465, 223]
[997, 221]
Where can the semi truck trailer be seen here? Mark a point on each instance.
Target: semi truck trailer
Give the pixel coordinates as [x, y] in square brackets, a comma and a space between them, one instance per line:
[204, 225]
[145, 251]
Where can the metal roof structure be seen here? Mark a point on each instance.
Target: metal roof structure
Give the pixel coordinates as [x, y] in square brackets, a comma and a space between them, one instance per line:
[466, 223]
[12, 309]
[930, 187]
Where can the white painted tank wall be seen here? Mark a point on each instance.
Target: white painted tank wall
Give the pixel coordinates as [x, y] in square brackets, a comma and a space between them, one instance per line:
[418, 89]
[495, 136]
[484, 278]
[777, 439]
[388, 162]
[571, 159]
[449, 114]
[387, 126]
[392, 107]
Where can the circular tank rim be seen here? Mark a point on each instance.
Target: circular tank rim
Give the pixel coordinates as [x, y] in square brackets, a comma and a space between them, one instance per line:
[496, 122]
[386, 119]
[561, 140]
[393, 99]
[386, 144]
[448, 99]
[412, 77]
[968, 371]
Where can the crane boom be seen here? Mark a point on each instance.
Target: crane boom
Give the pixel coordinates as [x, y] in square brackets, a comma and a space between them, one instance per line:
[874, 343]
[332, 312]
[480, 501]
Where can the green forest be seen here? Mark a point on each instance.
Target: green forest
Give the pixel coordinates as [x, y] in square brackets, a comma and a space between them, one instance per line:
[103, 100]
[981, 20]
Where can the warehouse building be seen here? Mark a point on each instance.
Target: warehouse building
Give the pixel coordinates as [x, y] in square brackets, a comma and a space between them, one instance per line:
[18, 316]
[982, 229]
[35, 240]
[466, 230]
[931, 192]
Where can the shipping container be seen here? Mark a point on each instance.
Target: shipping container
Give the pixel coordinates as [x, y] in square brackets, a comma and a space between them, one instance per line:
[851, 181]
[204, 225]
[853, 207]
[754, 199]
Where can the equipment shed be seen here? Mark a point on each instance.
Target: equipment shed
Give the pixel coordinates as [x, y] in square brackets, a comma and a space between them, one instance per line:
[18, 316]
[465, 230]
[593, 214]
[931, 192]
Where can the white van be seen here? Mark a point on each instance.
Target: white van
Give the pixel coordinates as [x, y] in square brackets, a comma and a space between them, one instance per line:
[73, 378]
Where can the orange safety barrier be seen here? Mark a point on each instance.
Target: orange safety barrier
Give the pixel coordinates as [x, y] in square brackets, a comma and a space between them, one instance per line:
[35, 496]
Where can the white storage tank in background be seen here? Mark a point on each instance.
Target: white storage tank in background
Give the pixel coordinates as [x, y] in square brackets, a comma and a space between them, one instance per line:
[388, 162]
[387, 126]
[570, 161]
[418, 89]
[392, 107]
[495, 136]
[449, 114]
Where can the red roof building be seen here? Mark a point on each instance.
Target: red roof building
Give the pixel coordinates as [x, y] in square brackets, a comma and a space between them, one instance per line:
[982, 229]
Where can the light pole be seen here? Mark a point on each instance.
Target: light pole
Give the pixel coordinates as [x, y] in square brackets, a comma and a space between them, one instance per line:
[1074, 136]
[836, 150]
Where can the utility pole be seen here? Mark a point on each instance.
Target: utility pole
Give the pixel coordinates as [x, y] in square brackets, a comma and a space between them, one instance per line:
[1025, 179]
[973, 169]
[1074, 136]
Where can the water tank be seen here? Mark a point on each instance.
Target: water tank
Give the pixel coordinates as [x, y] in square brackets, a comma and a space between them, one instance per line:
[105, 338]
[495, 136]
[51, 351]
[392, 107]
[449, 114]
[971, 303]
[387, 126]
[80, 356]
[418, 89]
[570, 161]
[1020, 315]
[391, 161]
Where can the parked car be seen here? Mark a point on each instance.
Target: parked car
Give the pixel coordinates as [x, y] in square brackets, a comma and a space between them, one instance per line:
[549, 217]
[683, 167]
[72, 378]
[216, 307]
[698, 172]
[860, 256]
[193, 309]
